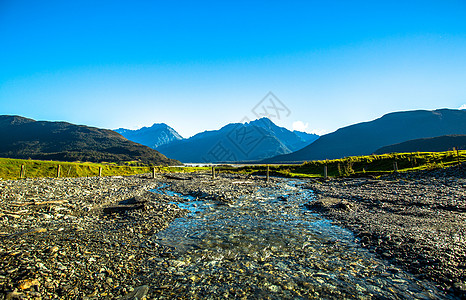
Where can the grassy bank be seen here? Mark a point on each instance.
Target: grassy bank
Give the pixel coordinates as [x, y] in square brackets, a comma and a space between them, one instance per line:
[350, 166]
[11, 169]
[368, 164]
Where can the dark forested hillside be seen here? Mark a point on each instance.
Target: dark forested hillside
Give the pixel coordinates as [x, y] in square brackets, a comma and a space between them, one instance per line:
[26, 138]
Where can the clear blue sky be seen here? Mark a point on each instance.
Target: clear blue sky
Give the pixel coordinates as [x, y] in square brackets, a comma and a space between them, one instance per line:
[199, 65]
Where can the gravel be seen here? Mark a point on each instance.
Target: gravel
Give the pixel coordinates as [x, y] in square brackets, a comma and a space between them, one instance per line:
[92, 238]
[416, 220]
[79, 238]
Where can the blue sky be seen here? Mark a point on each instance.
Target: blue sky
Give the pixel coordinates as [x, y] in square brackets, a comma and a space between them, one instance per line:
[199, 65]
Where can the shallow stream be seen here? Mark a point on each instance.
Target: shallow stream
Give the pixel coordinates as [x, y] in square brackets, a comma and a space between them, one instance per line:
[268, 245]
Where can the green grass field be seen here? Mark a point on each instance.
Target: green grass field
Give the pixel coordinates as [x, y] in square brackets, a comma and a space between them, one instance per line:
[369, 164]
[350, 166]
[11, 168]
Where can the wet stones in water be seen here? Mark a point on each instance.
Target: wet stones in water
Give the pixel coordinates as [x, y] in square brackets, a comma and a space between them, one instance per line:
[270, 249]
[282, 198]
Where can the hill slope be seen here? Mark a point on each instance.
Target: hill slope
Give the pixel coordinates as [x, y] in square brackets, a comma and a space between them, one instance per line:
[435, 144]
[365, 138]
[26, 138]
[308, 138]
[255, 140]
[154, 136]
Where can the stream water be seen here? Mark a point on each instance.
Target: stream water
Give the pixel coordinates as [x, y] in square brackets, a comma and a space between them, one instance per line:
[268, 245]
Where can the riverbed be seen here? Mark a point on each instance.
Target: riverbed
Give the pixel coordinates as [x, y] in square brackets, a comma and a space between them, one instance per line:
[189, 236]
[268, 244]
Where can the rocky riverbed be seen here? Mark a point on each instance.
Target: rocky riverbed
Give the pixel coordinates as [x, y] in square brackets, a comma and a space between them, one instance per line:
[79, 238]
[128, 238]
[415, 220]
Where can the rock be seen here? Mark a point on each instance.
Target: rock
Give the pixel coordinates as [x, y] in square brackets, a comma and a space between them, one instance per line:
[344, 205]
[53, 249]
[274, 288]
[28, 283]
[14, 295]
[282, 198]
[138, 293]
[35, 230]
[460, 287]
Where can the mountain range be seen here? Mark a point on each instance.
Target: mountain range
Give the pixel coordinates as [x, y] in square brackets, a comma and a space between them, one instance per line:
[235, 142]
[256, 141]
[26, 138]
[157, 135]
[367, 137]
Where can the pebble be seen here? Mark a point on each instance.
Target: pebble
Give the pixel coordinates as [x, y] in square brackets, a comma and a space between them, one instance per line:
[138, 293]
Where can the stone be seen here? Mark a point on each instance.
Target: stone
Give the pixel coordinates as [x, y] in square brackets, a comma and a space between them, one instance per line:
[26, 284]
[139, 293]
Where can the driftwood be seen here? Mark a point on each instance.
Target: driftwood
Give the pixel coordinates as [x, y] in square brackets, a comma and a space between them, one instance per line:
[20, 212]
[176, 177]
[10, 215]
[121, 208]
[40, 203]
[133, 203]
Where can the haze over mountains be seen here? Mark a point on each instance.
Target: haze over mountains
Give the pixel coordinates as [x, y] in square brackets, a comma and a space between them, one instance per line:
[26, 138]
[367, 137]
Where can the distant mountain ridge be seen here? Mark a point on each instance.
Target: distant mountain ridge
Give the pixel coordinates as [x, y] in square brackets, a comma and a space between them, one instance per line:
[26, 138]
[157, 135]
[235, 142]
[434, 144]
[365, 138]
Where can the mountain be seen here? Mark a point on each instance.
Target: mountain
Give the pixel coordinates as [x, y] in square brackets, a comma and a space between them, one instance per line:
[26, 138]
[234, 142]
[293, 140]
[365, 138]
[154, 136]
[435, 144]
[307, 137]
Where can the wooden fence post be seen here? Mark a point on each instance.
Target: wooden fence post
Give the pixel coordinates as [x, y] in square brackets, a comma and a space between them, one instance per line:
[153, 172]
[458, 155]
[395, 166]
[100, 171]
[58, 171]
[268, 175]
[213, 172]
[325, 172]
[21, 173]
